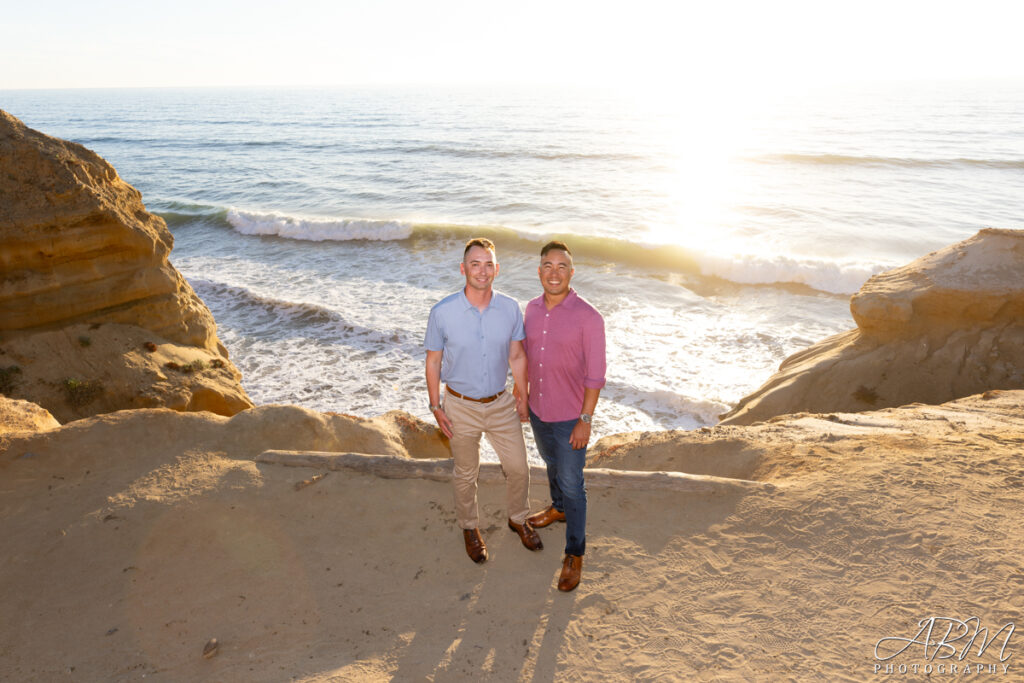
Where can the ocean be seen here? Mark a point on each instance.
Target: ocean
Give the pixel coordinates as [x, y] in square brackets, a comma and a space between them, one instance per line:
[717, 233]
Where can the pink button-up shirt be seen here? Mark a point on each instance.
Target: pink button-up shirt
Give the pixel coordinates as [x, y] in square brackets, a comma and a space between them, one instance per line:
[565, 351]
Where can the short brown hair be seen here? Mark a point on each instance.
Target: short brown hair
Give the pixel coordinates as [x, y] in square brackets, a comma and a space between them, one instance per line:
[479, 242]
[555, 244]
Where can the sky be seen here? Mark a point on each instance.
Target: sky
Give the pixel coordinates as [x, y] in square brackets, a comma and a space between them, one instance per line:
[629, 43]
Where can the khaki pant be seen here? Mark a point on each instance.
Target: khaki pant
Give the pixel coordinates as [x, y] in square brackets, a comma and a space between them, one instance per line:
[499, 420]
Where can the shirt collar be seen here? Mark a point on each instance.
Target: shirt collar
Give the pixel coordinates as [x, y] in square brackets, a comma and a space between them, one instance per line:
[466, 303]
[568, 302]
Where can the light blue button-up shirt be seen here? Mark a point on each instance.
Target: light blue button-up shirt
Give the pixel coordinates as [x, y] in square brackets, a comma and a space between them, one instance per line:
[475, 343]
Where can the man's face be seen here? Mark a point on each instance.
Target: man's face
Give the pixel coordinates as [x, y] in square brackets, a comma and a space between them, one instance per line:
[555, 272]
[479, 266]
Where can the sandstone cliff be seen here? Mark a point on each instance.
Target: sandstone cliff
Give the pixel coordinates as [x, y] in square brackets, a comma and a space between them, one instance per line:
[85, 283]
[947, 325]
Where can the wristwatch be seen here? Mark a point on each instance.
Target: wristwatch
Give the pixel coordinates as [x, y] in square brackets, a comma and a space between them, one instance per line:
[585, 418]
[433, 407]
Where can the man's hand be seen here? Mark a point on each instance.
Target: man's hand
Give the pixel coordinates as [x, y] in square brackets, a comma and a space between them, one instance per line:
[443, 422]
[523, 408]
[580, 436]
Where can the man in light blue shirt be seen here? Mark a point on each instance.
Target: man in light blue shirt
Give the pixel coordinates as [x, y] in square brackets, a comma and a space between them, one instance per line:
[473, 337]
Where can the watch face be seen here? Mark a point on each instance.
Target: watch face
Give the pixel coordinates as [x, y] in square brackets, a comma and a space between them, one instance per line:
[585, 418]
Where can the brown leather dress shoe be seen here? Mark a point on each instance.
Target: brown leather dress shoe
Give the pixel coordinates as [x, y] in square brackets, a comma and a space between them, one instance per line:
[572, 567]
[475, 546]
[545, 517]
[527, 535]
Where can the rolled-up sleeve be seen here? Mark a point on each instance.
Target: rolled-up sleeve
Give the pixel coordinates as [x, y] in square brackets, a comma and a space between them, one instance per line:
[594, 352]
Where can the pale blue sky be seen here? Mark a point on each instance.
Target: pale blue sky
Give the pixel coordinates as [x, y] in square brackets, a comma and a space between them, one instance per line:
[115, 43]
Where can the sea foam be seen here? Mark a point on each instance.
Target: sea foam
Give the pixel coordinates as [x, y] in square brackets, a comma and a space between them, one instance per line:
[833, 277]
[316, 229]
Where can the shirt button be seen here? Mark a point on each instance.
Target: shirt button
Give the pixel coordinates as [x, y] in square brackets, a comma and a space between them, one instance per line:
[545, 331]
[542, 365]
[542, 348]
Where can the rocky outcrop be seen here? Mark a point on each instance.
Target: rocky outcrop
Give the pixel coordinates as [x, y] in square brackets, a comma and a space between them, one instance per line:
[947, 325]
[24, 416]
[84, 272]
[84, 370]
[168, 434]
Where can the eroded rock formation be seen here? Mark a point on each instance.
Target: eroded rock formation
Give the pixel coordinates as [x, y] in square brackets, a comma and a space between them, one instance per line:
[24, 416]
[947, 325]
[84, 270]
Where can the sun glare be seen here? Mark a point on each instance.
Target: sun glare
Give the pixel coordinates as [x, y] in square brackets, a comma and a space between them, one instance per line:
[702, 136]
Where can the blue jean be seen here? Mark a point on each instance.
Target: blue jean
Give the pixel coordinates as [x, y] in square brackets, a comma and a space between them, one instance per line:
[565, 478]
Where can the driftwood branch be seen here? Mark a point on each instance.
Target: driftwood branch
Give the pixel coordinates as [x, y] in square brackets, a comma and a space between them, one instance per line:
[393, 467]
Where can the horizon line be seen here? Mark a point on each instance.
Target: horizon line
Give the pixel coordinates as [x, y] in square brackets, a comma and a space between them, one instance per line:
[582, 85]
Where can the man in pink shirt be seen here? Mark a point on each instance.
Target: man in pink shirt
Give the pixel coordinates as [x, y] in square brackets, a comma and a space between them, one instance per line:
[565, 350]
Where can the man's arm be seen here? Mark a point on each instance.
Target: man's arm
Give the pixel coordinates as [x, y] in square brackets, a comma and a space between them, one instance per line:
[434, 391]
[580, 436]
[595, 363]
[517, 361]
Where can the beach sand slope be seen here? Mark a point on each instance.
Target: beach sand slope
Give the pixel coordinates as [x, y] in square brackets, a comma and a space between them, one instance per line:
[132, 539]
